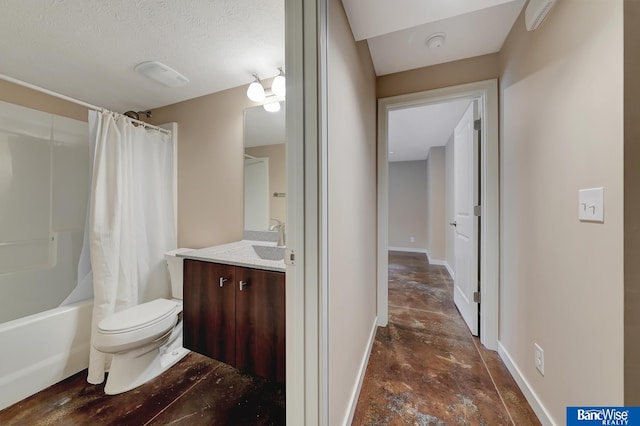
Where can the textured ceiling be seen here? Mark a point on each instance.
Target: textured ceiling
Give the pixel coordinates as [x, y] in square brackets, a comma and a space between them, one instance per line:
[87, 49]
[413, 131]
[396, 31]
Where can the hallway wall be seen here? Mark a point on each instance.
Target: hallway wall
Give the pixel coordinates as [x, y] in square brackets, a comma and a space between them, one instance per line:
[408, 205]
[436, 204]
[631, 202]
[352, 204]
[468, 70]
[561, 97]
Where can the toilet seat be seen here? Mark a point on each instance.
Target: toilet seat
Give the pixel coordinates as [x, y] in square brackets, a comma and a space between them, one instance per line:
[138, 316]
[136, 326]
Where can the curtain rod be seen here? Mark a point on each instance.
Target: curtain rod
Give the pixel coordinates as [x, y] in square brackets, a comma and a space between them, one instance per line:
[75, 101]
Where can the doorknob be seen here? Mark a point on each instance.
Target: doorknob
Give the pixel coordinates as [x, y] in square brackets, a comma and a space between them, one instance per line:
[453, 223]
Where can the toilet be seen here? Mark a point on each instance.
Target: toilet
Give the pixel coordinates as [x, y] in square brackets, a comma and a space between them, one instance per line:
[144, 340]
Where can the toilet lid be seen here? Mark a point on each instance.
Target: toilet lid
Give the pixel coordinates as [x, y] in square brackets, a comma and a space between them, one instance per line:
[138, 316]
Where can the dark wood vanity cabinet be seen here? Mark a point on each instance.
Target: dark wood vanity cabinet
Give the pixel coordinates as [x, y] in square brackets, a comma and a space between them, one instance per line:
[236, 315]
[209, 323]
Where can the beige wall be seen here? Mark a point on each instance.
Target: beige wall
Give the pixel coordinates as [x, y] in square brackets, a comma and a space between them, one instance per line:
[210, 166]
[449, 214]
[436, 204]
[436, 76]
[408, 205]
[631, 202]
[277, 176]
[352, 209]
[29, 98]
[561, 96]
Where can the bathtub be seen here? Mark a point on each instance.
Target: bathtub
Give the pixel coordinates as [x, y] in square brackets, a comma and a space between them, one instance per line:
[42, 349]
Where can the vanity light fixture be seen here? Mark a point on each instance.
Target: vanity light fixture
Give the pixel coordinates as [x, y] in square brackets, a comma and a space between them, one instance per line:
[279, 85]
[272, 106]
[255, 92]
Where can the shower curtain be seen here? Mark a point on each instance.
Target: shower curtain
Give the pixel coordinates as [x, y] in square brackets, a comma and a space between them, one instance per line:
[131, 219]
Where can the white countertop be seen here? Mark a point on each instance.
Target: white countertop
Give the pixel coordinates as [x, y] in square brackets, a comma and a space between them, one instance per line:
[239, 253]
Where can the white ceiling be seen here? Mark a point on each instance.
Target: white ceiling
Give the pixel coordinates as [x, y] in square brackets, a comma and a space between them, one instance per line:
[396, 31]
[413, 131]
[87, 49]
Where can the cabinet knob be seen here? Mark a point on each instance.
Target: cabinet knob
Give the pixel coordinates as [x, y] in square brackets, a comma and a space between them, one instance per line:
[223, 280]
[243, 284]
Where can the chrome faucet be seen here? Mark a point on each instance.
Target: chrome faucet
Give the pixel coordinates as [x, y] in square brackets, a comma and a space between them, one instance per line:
[280, 227]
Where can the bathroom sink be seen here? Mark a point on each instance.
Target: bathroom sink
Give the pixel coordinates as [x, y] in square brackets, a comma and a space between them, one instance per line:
[244, 253]
[269, 252]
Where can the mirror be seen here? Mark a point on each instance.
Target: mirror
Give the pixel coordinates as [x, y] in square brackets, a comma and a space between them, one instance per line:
[265, 177]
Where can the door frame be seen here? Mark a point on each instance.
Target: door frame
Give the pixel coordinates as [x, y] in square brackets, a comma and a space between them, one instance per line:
[487, 93]
[306, 149]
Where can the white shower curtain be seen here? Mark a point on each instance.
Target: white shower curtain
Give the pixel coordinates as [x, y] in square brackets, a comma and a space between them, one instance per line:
[131, 219]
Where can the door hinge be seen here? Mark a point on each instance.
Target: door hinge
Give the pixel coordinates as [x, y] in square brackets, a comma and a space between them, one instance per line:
[477, 124]
[477, 210]
[476, 296]
[290, 257]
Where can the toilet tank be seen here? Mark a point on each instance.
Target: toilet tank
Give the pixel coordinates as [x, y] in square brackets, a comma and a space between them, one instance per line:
[174, 263]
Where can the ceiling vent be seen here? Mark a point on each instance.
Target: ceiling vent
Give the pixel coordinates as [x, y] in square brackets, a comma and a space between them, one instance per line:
[536, 11]
[162, 73]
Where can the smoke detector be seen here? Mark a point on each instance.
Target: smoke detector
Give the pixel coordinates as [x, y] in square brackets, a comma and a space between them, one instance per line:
[436, 40]
[162, 73]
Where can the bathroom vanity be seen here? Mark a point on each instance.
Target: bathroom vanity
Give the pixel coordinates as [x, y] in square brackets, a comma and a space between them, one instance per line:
[234, 306]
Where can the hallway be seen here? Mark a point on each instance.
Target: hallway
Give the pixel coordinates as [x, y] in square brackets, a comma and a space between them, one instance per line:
[425, 367]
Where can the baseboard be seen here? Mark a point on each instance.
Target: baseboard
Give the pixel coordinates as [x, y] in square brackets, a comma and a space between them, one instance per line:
[363, 368]
[425, 251]
[409, 249]
[526, 389]
[451, 273]
[433, 261]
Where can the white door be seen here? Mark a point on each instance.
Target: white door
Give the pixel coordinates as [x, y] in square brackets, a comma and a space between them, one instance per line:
[466, 223]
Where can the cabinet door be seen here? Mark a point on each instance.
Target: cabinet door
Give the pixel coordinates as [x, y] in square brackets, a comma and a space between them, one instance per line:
[209, 310]
[260, 323]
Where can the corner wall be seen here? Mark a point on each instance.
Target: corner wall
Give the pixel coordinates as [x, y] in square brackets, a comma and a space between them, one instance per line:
[561, 97]
[352, 221]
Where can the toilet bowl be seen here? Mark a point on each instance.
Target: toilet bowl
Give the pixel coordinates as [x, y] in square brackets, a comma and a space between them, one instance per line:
[144, 340]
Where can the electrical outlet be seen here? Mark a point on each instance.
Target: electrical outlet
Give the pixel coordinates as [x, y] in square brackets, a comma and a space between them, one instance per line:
[412, 239]
[539, 358]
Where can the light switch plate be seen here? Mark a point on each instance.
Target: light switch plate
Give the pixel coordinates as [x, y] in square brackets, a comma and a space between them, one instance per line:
[591, 205]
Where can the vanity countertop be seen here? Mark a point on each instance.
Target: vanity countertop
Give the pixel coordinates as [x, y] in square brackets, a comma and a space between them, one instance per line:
[246, 253]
